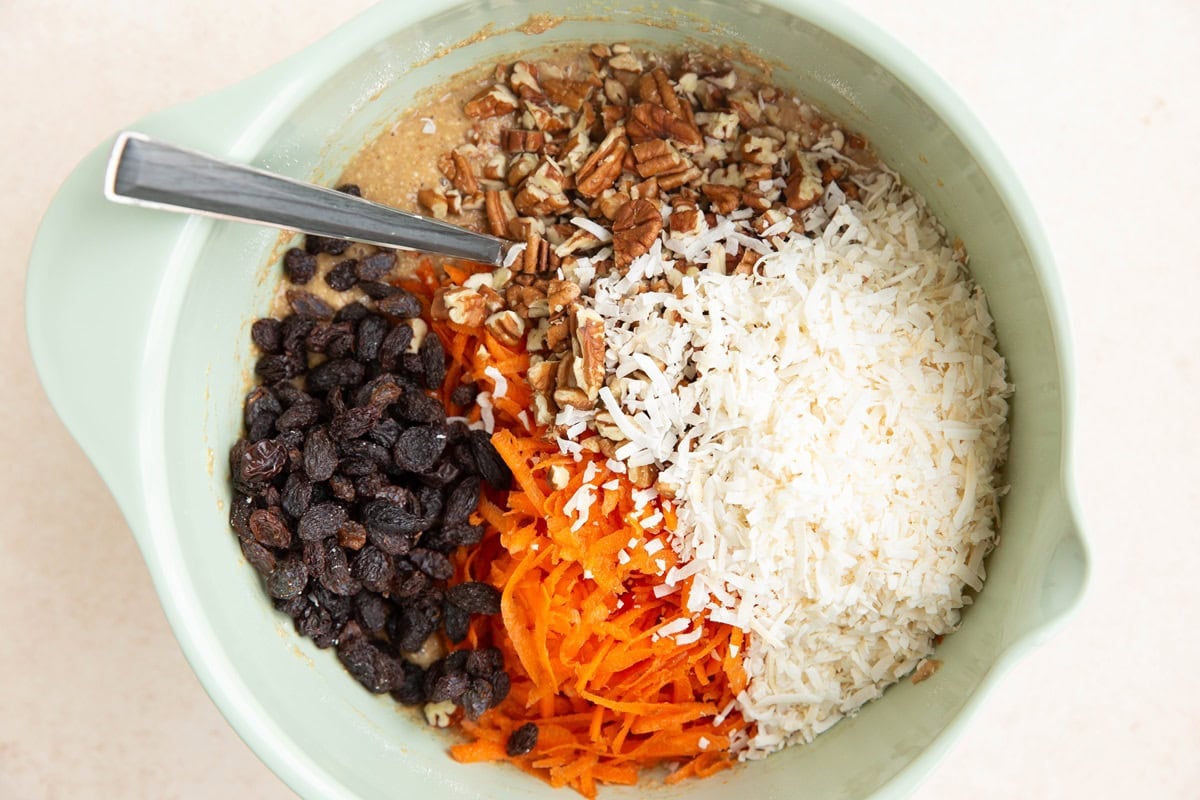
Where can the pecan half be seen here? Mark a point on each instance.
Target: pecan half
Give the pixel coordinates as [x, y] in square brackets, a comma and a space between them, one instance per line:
[494, 101]
[588, 348]
[803, 184]
[569, 93]
[500, 211]
[651, 121]
[603, 167]
[463, 177]
[635, 228]
[460, 305]
[658, 157]
[724, 199]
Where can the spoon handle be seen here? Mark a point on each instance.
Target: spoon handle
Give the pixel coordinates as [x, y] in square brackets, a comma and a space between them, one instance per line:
[145, 172]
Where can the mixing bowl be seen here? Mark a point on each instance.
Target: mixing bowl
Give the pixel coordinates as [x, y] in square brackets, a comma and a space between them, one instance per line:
[138, 322]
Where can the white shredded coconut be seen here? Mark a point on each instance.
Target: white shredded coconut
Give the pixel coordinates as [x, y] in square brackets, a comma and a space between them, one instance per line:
[428, 126]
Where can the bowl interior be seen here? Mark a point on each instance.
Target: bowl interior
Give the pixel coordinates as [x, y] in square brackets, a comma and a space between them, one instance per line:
[294, 703]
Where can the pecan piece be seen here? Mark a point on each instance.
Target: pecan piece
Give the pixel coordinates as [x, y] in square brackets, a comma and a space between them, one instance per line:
[655, 87]
[541, 193]
[460, 305]
[463, 177]
[507, 327]
[435, 201]
[494, 101]
[651, 121]
[657, 157]
[561, 294]
[516, 141]
[635, 228]
[803, 184]
[500, 211]
[603, 167]
[569, 93]
[685, 220]
[724, 199]
[588, 349]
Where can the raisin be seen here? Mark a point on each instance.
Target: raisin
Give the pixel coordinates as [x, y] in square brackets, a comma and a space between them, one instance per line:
[269, 528]
[444, 474]
[419, 448]
[522, 740]
[350, 189]
[400, 304]
[299, 266]
[267, 335]
[411, 584]
[373, 568]
[394, 344]
[413, 367]
[377, 290]
[353, 422]
[336, 575]
[273, 368]
[449, 687]
[371, 331]
[289, 393]
[464, 394]
[370, 666]
[342, 488]
[341, 276]
[483, 662]
[396, 494]
[411, 690]
[385, 433]
[335, 372]
[316, 623]
[351, 312]
[491, 466]
[411, 626]
[288, 578]
[477, 698]
[309, 306]
[240, 510]
[297, 495]
[352, 535]
[321, 521]
[501, 684]
[298, 416]
[372, 613]
[341, 346]
[434, 564]
[475, 597]
[431, 505]
[419, 407]
[260, 402]
[376, 267]
[448, 537]
[261, 462]
[462, 500]
[324, 244]
[455, 622]
[323, 334]
[320, 455]
[433, 359]
[368, 450]
[259, 557]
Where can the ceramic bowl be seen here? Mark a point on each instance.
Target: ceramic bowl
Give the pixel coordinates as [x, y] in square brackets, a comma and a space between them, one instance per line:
[139, 320]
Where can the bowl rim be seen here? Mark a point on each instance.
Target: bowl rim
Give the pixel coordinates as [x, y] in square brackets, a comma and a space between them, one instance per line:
[289, 82]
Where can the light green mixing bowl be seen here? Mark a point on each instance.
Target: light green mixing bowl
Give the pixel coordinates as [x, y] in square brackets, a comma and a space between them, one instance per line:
[153, 392]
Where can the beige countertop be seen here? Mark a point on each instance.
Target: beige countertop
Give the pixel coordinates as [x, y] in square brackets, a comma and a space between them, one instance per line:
[1097, 107]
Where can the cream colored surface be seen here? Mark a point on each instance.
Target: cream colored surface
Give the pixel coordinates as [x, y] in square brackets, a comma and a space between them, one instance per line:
[1097, 107]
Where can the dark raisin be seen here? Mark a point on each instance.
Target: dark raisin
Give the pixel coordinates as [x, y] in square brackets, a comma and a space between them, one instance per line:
[419, 448]
[385, 433]
[462, 455]
[396, 494]
[411, 625]
[376, 267]
[342, 488]
[413, 367]
[448, 537]
[477, 698]
[288, 578]
[324, 244]
[391, 527]
[522, 740]
[433, 358]
[267, 335]
[335, 372]
[372, 613]
[433, 564]
[400, 304]
[263, 427]
[464, 394]
[411, 584]
[350, 189]
[442, 475]
[501, 684]
[317, 624]
[273, 368]
[371, 331]
[336, 575]
[299, 266]
[353, 422]
[370, 666]
[299, 416]
[341, 346]
[352, 535]
[483, 662]
[259, 557]
[475, 597]
[367, 449]
[431, 505]
[295, 330]
[260, 402]
[374, 568]
[449, 686]
[289, 393]
[456, 622]
[419, 407]
[377, 290]
[269, 528]
[411, 691]
[341, 275]
[295, 607]
[309, 306]
[491, 465]
[462, 501]
[323, 334]
[321, 521]
[394, 344]
[297, 495]
[240, 510]
[351, 312]
[320, 455]
[261, 462]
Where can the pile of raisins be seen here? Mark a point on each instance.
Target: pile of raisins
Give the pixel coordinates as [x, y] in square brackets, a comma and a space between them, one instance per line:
[351, 488]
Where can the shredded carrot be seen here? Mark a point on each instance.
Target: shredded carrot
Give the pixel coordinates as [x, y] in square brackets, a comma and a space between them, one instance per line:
[579, 618]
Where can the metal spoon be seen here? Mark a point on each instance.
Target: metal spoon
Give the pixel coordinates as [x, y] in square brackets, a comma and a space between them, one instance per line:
[152, 174]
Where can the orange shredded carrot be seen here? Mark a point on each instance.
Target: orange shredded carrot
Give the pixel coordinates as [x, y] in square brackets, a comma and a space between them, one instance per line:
[578, 622]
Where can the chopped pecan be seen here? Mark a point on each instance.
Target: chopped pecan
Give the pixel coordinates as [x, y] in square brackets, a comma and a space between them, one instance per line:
[744, 103]
[610, 203]
[579, 241]
[635, 228]
[494, 101]
[464, 176]
[541, 375]
[647, 189]
[569, 93]
[603, 166]
[612, 116]
[536, 257]
[652, 121]
[557, 334]
[803, 184]
[560, 295]
[460, 305]
[570, 396]
[541, 115]
[606, 427]
[625, 61]
[643, 476]
[588, 348]
[758, 149]
[615, 92]
[658, 157]
[435, 201]
[674, 180]
[926, 669]
[520, 168]
[541, 193]
[686, 220]
[724, 199]
[655, 87]
[746, 263]
[517, 141]
[507, 327]
[519, 298]
[500, 211]
[523, 78]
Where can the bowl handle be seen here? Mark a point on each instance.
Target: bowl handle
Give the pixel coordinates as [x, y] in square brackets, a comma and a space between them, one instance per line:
[1065, 579]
